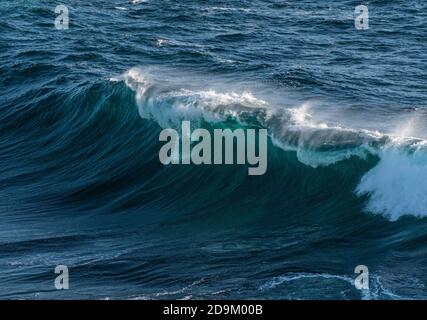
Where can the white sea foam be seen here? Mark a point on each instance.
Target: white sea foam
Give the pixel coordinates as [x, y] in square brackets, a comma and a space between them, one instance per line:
[397, 186]
[160, 42]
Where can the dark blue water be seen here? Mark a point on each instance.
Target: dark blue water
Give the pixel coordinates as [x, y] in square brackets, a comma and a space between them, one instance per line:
[81, 184]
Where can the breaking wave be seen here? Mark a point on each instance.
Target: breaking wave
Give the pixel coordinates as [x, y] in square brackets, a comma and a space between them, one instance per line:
[394, 185]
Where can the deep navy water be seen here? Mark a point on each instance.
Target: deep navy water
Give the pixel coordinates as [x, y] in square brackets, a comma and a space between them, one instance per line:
[81, 184]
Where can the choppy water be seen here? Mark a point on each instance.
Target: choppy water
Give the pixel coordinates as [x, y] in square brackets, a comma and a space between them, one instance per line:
[81, 183]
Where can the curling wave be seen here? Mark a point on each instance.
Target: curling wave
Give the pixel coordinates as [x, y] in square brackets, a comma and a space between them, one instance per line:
[395, 185]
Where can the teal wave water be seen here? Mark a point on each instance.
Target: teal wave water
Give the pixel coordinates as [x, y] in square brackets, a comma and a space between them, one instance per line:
[81, 183]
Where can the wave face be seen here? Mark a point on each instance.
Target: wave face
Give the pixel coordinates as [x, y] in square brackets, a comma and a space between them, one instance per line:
[82, 185]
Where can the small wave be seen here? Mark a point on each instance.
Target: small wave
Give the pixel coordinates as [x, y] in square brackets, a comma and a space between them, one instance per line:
[376, 288]
[177, 294]
[229, 9]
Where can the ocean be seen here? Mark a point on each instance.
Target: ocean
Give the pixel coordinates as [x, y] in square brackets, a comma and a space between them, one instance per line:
[83, 100]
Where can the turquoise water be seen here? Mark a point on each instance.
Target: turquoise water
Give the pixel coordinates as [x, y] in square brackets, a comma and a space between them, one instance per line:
[81, 184]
